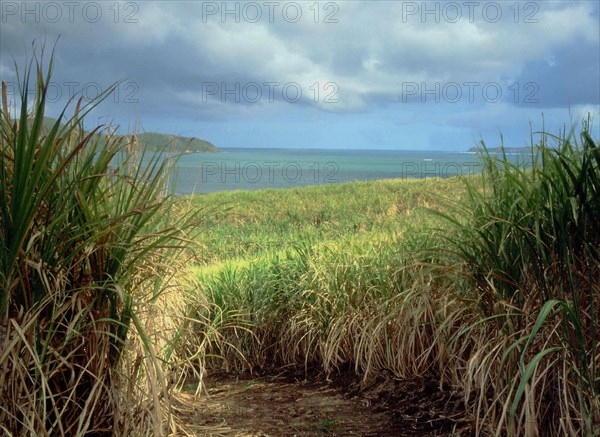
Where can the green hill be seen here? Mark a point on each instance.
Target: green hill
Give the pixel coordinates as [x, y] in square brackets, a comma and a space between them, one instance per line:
[501, 149]
[155, 141]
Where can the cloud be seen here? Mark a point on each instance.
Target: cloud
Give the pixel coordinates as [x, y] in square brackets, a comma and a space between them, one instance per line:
[336, 57]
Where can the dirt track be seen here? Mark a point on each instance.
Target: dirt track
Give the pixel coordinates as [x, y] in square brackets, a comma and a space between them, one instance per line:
[284, 406]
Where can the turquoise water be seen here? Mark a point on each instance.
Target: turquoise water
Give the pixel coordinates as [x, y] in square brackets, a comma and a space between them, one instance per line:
[252, 169]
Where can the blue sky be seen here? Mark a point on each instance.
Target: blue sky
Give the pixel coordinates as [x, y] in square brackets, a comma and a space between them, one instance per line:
[306, 74]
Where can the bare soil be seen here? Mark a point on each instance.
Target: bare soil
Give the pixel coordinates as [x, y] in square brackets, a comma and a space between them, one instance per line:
[291, 406]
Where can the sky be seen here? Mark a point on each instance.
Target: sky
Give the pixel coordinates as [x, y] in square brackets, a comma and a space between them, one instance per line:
[318, 74]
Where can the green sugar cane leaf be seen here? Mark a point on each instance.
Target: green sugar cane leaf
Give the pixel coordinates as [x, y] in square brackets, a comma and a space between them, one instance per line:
[542, 316]
[527, 373]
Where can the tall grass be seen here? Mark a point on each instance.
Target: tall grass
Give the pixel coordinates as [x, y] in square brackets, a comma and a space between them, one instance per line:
[88, 240]
[501, 302]
[530, 247]
[349, 291]
[247, 224]
[324, 306]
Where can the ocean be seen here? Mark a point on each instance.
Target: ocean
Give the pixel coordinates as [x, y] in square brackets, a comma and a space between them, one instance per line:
[253, 169]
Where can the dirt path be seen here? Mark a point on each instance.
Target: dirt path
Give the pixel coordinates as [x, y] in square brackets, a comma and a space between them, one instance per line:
[282, 406]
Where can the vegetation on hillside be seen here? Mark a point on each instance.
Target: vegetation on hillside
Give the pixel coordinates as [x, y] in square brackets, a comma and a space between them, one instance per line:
[153, 141]
[502, 149]
[149, 141]
[249, 224]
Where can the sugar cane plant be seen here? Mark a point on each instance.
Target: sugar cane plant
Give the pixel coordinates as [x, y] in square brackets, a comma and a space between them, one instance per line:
[85, 228]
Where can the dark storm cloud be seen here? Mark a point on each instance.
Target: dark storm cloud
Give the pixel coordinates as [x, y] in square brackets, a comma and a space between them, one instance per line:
[198, 61]
[566, 77]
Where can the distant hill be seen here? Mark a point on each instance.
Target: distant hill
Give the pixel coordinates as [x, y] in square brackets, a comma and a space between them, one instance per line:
[500, 149]
[47, 124]
[155, 141]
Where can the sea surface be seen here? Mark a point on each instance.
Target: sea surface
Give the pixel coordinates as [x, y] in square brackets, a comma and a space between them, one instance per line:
[253, 169]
